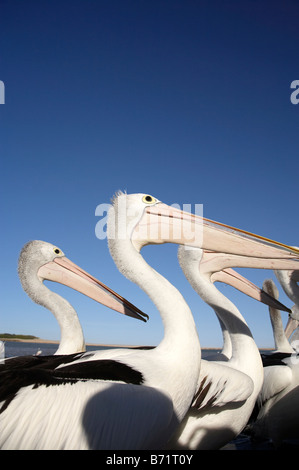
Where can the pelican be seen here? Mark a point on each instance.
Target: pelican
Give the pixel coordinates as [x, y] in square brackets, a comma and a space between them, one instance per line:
[228, 388]
[278, 402]
[127, 399]
[288, 281]
[40, 261]
[281, 342]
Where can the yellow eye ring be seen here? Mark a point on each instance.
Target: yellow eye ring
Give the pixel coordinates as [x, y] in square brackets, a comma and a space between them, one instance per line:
[57, 251]
[148, 199]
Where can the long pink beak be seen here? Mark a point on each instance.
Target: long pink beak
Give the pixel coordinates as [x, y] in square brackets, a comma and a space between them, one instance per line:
[161, 224]
[236, 280]
[64, 271]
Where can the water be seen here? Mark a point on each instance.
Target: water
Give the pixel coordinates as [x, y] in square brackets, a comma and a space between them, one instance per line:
[17, 348]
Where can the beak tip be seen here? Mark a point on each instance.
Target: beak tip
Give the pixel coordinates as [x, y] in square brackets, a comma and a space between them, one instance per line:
[275, 303]
[145, 320]
[139, 315]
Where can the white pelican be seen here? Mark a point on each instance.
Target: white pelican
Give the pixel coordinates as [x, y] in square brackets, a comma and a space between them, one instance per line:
[227, 389]
[280, 339]
[288, 281]
[278, 402]
[126, 399]
[40, 261]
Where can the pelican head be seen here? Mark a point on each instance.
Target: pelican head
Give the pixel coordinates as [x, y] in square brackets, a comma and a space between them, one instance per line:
[192, 260]
[40, 261]
[145, 220]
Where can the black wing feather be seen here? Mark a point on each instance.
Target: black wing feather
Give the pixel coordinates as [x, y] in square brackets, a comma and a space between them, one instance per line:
[275, 359]
[37, 371]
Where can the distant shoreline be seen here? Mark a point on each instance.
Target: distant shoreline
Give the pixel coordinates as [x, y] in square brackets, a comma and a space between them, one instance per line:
[31, 340]
[50, 341]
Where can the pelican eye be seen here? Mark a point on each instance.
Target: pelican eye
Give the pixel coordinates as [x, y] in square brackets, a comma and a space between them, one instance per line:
[57, 251]
[149, 199]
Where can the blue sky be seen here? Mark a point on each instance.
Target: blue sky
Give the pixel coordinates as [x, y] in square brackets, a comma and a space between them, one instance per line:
[186, 100]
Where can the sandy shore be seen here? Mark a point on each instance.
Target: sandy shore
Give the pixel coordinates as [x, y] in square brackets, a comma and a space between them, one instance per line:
[32, 340]
[50, 341]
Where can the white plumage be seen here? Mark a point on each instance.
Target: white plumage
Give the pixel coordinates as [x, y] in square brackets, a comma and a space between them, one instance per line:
[278, 401]
[227, 389]
[141, 414]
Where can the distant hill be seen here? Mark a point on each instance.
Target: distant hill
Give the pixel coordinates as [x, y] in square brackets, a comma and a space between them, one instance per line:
[8, 336]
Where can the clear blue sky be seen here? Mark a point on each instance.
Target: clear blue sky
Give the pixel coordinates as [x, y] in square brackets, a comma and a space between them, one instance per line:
[186, 100]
